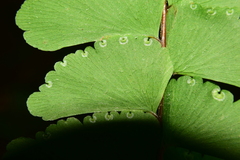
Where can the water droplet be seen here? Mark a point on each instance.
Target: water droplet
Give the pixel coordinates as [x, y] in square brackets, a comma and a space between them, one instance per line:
[84, 53]
[46, 135]
[191, 81]
[108, 116]
[123, 40]
[93, 119]
[64, 63]
[130, 115]
[49, 84]
[193, 6]
[218, 94]
[211, 11]
[229, 11]
[103, 43]
[147, 41]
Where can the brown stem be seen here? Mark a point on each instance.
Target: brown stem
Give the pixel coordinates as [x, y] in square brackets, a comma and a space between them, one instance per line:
[163, 25]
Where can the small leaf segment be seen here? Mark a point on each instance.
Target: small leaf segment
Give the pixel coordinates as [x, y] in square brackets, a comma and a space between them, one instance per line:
[202, 38]
[201, 116]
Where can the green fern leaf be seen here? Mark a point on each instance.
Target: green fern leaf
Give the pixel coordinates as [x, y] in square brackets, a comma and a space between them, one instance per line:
[121, 73]
[200, 116]
[54, 24]
[204, 42]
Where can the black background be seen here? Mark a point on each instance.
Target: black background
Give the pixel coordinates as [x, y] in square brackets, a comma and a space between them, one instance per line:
[23, 69]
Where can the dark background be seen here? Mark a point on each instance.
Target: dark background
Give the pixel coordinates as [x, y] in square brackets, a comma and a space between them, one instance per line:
[23, 69]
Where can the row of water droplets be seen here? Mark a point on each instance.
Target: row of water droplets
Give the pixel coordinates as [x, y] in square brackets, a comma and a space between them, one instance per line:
[49, 84]
[103, 43]
[92, 119]
[124, 40]
[217, 94]
[109, 116]
[212, 11]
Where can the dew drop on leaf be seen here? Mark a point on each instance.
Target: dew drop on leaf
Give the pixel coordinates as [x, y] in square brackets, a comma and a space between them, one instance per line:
[49, 84]
[229, 11]
[193, 6]
[130, 115]
[46, 135]
[84, 54]
[123, 40]
[108, 116]
[147, 41]
[211, 11]
[93, 119]
[103, 43]
[191, 81]
[64, 63]
[218, 95]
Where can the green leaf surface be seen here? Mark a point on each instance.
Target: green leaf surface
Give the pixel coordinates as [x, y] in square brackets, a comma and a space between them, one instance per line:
[121, 73]
[209, 3]
[205, 41]
[128, 135]
[177, 153]
[200, 116]
[54, 24]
